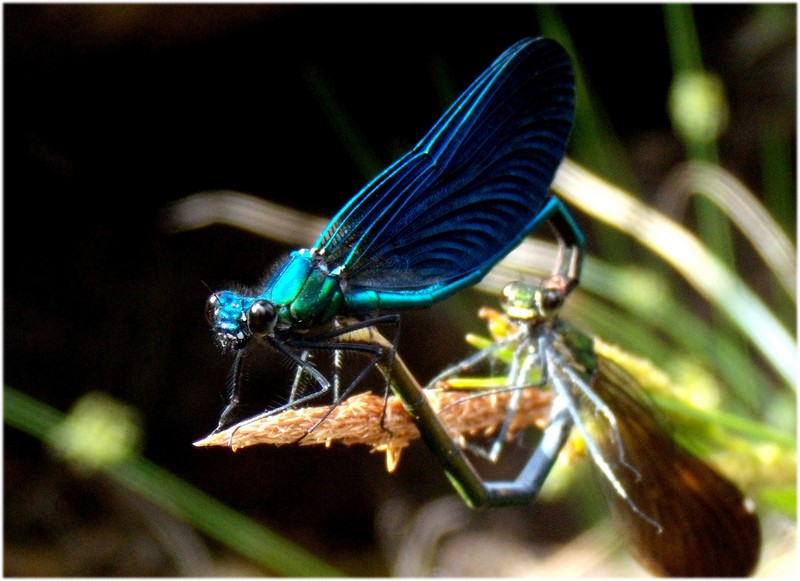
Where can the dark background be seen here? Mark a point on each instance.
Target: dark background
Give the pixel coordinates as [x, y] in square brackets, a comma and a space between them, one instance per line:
[110, 112]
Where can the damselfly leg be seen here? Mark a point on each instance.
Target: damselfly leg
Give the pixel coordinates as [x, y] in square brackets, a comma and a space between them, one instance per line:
[310, 385]
[679, 516]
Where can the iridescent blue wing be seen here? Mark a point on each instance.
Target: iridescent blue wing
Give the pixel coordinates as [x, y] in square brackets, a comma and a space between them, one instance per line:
[443, 214]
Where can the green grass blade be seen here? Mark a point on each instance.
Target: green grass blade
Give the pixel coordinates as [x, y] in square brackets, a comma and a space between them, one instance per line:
[218, 521]
[702, 269]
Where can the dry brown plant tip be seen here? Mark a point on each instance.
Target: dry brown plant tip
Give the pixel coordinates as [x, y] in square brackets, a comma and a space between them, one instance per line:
[357, 420]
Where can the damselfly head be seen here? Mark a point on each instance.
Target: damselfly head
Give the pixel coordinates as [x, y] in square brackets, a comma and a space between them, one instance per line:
[525, 302]
[228, 314]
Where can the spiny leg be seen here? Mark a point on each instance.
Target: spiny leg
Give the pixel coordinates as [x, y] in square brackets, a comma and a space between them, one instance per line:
[469, 484]
[516, 380]
[526, 486]
[317, 376]
[305, 346]
[598, 404]
[337, 370]
[233, 390]
[336, 360]
[298, 377]
[472, 488]
[470, 362]
[362, 341]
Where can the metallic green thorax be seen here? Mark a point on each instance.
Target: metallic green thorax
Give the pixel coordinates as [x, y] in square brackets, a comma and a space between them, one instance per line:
[303, 291]
[305, 294]
[579, 346]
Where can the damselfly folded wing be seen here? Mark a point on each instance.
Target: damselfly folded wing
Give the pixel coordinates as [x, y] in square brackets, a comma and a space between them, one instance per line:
[448, 210]
[678, 515]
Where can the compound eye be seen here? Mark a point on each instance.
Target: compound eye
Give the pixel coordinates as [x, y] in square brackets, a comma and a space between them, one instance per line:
[211, 308]
[510, 294]
[261, 318]
[551, 300]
